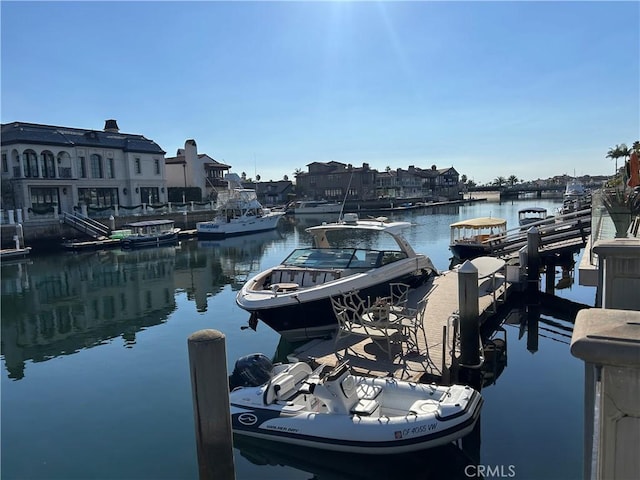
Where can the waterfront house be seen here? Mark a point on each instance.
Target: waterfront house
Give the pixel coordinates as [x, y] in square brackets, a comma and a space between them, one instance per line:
[272, 193]
[189, 169]
[47, 170]
[336, 181]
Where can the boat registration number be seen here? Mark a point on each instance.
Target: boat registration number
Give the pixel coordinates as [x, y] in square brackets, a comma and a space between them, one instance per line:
[415, 430]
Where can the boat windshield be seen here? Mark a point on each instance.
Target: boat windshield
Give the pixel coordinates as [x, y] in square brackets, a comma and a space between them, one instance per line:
[342, 257]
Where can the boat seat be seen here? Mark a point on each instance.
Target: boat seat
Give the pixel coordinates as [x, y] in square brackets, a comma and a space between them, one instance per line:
[368, 392]
[423, 406]
[365, 408]
[282, 387]
[285, 384]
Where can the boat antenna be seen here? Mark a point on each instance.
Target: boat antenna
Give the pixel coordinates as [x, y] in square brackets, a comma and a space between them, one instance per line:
[345, 196]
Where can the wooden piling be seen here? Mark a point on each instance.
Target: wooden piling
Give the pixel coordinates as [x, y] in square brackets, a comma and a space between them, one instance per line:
[533, 265]
[468, 314]
[210, 390]
[550, 275]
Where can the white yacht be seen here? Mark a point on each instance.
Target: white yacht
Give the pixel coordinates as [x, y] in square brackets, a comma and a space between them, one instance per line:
[238, 213]
[293, 298]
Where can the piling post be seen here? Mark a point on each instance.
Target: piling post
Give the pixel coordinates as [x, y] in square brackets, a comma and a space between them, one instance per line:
[469, 313]
[533, 264]
[210, 391]
[550, 275]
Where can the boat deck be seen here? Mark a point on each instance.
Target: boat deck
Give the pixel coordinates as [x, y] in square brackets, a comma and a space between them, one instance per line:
[367, 358]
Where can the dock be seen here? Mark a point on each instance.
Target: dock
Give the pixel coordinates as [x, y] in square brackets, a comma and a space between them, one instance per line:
[433, 356]
[7, 254]
[103, 243]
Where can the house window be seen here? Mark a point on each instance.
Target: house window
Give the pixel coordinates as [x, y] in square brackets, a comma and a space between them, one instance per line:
[30, 163]
[138, 168]
[82, 167]
[110, 169]
[49, 165]
[5, 165]
[44, 200]
[149, 195]
[96, 166]
[98, 197]
[333, 192]
[156, 163]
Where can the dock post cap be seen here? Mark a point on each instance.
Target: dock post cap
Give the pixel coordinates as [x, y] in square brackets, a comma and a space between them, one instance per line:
[467, 267]
[206, 335]
[607, 337]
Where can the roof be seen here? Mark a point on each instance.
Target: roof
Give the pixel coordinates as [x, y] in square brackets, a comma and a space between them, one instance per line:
[149, 223]
[533, 210]
[380, 225]
[36, 134]
[482, 222]
[210, 162]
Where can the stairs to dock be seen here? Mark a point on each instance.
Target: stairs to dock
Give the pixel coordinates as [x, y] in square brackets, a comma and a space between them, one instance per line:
[87, 225]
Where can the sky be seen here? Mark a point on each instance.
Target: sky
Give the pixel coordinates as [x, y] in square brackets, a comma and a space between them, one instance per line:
[531, 89]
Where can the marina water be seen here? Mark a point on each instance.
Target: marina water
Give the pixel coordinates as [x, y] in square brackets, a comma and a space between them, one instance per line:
[95, 380]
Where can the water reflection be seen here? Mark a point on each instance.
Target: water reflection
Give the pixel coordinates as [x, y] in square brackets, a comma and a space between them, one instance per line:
[60, 304]
[239, 257]
[448, 461]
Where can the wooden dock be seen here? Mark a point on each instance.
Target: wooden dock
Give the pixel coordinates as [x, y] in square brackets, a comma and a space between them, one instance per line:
[367, 358]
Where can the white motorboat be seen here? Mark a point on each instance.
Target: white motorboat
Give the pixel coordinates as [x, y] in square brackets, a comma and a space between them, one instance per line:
[293, 298]
[576, 199]
[306, 207]
[337, 410]
[239, 213]
[533, 216]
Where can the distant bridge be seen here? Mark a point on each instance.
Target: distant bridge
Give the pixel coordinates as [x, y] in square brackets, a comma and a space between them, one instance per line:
[514, 191]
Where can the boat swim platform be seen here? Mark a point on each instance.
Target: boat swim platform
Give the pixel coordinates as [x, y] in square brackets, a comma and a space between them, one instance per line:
[367, 358]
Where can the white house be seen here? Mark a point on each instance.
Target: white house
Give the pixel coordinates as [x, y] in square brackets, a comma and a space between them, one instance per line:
[191, 169]
[47, 170]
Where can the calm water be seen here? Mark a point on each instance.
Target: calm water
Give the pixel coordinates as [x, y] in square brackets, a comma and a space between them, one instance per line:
[95, 379]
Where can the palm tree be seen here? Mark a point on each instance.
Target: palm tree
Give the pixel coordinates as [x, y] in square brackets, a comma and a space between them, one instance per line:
[498, 182]
[625, 151]
[513, 180]
[614, 153]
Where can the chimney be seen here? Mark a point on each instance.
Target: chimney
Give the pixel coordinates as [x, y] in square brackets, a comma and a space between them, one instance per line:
[111, 126]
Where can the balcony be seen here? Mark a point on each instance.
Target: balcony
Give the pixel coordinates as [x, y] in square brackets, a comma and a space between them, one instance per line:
[63, 173]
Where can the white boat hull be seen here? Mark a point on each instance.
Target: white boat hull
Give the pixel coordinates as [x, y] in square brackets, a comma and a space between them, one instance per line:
[239, 226]
[383, 416]
[293, 298]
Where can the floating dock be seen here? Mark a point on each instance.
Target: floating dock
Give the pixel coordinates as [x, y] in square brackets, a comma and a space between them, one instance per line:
[433, 356]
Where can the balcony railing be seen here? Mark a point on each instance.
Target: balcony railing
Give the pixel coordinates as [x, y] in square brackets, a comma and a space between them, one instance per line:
[63, 172]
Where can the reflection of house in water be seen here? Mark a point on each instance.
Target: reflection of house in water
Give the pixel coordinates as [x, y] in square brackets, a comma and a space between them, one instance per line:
[61, 304]
[204, 268]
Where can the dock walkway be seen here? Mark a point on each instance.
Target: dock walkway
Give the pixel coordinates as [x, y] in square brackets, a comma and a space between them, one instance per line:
[367, 358]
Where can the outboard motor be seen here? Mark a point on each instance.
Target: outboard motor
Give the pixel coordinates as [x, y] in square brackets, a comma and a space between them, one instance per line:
[251, 371]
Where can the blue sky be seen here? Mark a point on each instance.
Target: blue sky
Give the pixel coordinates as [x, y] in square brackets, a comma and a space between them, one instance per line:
[532, 89]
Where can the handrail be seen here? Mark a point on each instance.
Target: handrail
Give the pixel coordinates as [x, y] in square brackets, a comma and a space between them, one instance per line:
[86, 225]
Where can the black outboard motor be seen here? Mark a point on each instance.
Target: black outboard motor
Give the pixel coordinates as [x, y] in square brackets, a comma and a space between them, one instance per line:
[251, 371]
